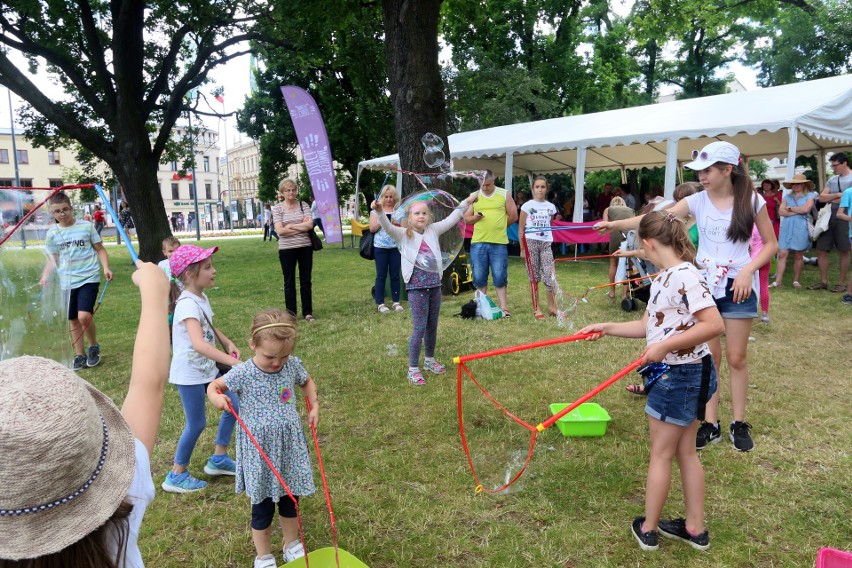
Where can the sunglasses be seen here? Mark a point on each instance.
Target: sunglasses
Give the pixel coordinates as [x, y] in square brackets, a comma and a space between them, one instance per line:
[703, 155]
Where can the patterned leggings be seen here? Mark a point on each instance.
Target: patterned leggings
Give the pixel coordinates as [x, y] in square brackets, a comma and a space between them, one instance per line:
[541, 261]
[425, 307]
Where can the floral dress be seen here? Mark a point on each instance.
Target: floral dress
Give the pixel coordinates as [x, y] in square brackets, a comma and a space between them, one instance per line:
[268, 408]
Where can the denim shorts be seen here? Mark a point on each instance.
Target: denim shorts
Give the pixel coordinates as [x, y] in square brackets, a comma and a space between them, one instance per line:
[490, 255]
[729, 309]
[674, 398]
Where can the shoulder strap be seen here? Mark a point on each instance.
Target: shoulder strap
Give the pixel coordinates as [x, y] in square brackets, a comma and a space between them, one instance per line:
[210, 323]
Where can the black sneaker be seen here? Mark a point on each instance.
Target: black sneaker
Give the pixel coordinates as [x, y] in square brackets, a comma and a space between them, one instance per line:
[79, 362]
[676, 529]
[740, 437]
[847, 298]
[707, 434]
[647, 540]
[94, 355]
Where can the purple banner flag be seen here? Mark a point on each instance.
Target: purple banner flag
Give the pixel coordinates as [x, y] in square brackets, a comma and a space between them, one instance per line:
[313, 140]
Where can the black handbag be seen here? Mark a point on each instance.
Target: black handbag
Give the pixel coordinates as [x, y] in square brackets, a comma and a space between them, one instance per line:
[366, 246]
[316, 242]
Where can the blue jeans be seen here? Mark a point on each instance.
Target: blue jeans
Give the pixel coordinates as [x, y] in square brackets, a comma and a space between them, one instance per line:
[192, 397]
[388, 262]
[489, 255]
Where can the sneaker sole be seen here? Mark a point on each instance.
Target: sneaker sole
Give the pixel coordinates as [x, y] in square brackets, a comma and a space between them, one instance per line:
[174, 489]
[731, 437]
[711, 441]
[210, 471]
[691, 543]
[95, 364]
[642, 545]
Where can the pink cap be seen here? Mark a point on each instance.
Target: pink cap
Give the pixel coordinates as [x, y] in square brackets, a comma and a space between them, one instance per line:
[186, 255]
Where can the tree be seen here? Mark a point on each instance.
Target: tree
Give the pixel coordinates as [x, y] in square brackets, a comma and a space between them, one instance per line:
[126, 67]
[336, 54]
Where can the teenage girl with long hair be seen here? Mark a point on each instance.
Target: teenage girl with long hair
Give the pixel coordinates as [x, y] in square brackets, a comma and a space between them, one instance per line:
[725, 214]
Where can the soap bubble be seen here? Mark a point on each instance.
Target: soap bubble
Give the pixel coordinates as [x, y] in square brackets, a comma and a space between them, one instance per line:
[431, 140]
[441, 205]
[434, 158]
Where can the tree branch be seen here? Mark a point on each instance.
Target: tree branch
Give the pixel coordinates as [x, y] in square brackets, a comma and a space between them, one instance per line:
[96, 53]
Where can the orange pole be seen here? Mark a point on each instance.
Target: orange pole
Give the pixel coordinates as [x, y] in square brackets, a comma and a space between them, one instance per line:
[524, 347]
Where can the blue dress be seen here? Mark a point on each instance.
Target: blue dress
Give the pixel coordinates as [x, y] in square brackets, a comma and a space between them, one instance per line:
[794, 229]
[268, 408]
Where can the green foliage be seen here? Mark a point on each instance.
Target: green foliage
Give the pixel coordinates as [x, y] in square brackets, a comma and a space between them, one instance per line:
[757, 169]
[337, 55]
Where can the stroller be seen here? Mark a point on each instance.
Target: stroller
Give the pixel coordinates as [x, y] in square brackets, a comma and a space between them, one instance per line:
[634, 268]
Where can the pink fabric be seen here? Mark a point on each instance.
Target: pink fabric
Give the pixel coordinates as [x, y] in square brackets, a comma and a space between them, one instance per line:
[186, 255]
[756, 245]
[582, 235]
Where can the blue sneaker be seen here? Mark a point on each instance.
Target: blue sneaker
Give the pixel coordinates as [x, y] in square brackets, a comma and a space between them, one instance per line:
[220, 465]
[182, 483]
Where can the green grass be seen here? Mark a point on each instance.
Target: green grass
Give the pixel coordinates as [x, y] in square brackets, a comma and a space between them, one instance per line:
[402, 491]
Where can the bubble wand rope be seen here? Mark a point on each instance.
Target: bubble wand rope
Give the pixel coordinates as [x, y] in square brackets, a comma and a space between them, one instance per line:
[272, 468]
[461, 367]
[133, 256]
[325, 488]
[98, 305]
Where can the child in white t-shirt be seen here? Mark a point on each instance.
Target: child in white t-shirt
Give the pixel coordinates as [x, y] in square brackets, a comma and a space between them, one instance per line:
[536, 236]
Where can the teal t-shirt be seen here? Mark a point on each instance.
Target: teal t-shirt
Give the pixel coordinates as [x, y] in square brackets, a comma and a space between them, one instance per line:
[78, 260]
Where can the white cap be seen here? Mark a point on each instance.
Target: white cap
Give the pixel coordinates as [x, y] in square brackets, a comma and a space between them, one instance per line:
[714, 153]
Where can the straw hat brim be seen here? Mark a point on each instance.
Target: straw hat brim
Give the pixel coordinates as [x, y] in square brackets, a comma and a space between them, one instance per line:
[46, 532]
[788, 183]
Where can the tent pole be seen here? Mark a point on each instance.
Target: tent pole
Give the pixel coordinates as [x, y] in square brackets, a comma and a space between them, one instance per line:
[671, 169]
[623, 174]
[821, 169]
[579, 182]
[792, 132]
[510, 159]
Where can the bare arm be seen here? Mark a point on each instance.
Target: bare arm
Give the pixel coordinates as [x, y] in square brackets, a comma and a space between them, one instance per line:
[218, 399]
[742, 285]
[522, 226]
[143, 405]
[630, 329]
[511, 210]
[103, 258]
[708, 326]
[826, 197]
[374, 222]
[309, 389]
[196, 337]
[843, 215]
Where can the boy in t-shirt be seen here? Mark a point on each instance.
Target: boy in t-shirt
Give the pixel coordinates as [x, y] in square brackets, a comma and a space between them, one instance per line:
[75, 248]
[844, 213]
[170, 245]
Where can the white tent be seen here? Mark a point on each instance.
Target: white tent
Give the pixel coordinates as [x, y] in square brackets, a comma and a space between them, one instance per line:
[813, 117]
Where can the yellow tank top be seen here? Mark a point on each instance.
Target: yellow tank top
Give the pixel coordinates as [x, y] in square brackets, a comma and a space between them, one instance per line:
[492, 227]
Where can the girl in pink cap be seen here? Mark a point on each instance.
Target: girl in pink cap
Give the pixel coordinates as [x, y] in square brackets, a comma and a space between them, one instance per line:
[194, 359]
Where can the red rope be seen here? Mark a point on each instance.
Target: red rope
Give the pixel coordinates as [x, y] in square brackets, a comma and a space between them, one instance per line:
[274, 471]
[579, 258]
[325, 488]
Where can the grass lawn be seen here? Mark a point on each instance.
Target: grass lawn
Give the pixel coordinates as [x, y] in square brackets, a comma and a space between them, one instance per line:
[401, 487]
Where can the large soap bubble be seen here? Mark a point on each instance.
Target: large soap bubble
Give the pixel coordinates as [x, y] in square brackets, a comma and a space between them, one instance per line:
[433, 151]
[431, 140]
[441, 205]
[33, 319]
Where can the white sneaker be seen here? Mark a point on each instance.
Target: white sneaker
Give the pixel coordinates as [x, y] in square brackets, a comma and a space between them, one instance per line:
[267, 561]
[293, 551]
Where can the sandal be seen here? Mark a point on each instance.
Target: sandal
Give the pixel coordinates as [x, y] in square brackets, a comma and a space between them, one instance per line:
[382, 309]
[637, 389]
[506, 314]
[818, 286]
[539, 316]
[398, 307]
[611, 295]
[796, 284]
[309, 317]
[775, 285]
[839, 288]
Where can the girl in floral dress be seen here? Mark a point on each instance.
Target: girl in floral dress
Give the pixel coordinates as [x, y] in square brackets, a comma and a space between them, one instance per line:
[265, 386]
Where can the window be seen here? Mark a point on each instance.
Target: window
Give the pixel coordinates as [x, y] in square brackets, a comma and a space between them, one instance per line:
[192, 190]
[53, 157]
[6, 182]
[4, 156]
[174, 166]
[175, 191]
[55, 183]
[23, 157]
[206, 163]
[26, 182]
[207, 191]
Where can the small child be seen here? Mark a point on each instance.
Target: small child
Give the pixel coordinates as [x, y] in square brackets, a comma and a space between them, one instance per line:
[418, 239]
[193, 367]
[681, 317]
[265, 387]
[88, 464]
[75, 247]
[537, 214]
[170, 245]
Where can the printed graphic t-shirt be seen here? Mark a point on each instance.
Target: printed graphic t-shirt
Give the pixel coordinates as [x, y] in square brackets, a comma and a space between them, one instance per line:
[78, 261]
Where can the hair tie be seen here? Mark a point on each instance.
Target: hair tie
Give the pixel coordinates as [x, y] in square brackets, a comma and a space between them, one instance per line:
[671, 217]
[270, 325]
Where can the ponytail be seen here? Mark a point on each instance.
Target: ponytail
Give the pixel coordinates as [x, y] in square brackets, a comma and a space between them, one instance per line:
[670, 231]
[745, 204]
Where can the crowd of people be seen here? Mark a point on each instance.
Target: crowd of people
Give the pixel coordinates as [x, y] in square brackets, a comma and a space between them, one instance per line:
[84, 506]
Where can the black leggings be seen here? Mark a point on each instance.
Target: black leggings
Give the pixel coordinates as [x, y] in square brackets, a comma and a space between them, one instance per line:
[261, 514]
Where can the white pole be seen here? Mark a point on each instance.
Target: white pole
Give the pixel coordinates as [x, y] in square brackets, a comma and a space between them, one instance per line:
[671, 169]
[579, 182]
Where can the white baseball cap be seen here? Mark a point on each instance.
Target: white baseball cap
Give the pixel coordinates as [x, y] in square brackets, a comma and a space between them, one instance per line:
[713, 153]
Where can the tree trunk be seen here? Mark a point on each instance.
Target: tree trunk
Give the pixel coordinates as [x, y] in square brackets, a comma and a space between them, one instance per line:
[416, 89]
[137, 174]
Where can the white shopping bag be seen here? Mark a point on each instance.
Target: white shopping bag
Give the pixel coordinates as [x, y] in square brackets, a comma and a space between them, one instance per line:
[486, 308]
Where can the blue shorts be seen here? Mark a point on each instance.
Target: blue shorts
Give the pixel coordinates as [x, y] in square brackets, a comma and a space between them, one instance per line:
[677, 397]
[83, 299]
[490, 255]
[747, 309]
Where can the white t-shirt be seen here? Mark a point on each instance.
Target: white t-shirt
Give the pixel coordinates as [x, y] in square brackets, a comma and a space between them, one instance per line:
[188, 366]
[718, 257]
[676, 294]
[539, 214]
[140, 494]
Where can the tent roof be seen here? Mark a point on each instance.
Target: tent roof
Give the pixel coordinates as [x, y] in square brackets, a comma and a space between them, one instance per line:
[755, 121]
